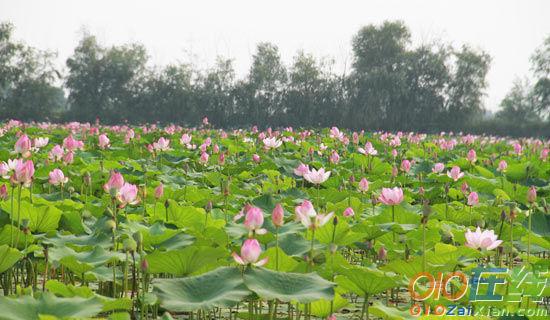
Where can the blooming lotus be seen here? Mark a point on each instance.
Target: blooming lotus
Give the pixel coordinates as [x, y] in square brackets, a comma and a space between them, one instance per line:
[162, 144]
[250, 253]
[103, 141]
[391, 197]
[486, 240]
[115, 183]
[23, 172]
[334, 157]
[317, 176]
[306, 214]
[23, 146]
[253, 221]
[127, 194]
[368, 150]
[40, 142]
[57, 177]
[455, 173]
[438, 167]
[185, 139]
[301, 170]
[72, 144]
[473, 199]
[272, 143]
[56, 154]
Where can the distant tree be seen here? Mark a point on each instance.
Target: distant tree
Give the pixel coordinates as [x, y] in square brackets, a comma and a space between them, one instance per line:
[540, 65]
[519, 105]
[266, 81]
[27, 77]
[466, 87]
[215, 92]
[102, 82]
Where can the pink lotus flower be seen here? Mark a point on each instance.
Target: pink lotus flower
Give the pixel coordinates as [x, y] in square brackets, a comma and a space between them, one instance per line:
[368, 150]
[472, 156]
[486, 240]
[306, 214]
[364, 185]
[103, 141]
[23, 146]
[162, 144]
[250, 253]
[455, 173]
[5, 170]
[127, 194]
[204, 158]
[3, 192]
[301, 170]
[391, 197]
[57, 177]
[405, 165]
[544, 154]
[438, 167]
[40, 142]
[317, 176]
[185, 139]
[256, 158]
[502, 166]
[278, 215]
[336, 134]
[159, 191]
[253, 220]
[115, 183]
[518, 149]
[56, 154]
[205, 121]
[68, 158]
[23, 173]
[473, 199]
[532, 194]
[272, 143]
[394, 153]
[348, 212]
[464, 188]
[221, 159]
[334, 157]
[72, 144]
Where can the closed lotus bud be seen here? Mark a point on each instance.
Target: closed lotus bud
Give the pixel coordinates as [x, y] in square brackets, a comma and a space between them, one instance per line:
[335, 220]
[503, 215]
[3, 192]
[382, 253]
[87, 179]
[110, 224]
[129, 244]
[532, 195]
[421, 191]
[352, 179]
[25, 226]
[513, 213]
[138, 237]
[159, 191]
[166, 204]
[446, 188]
[208, 206]
[278, 216]
[144, 265]
[348, 212]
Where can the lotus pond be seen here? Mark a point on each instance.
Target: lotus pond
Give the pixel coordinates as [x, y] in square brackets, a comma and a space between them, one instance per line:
[123, 222]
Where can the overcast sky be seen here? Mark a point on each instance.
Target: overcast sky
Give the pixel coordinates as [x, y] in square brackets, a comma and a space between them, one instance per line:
[198, 31]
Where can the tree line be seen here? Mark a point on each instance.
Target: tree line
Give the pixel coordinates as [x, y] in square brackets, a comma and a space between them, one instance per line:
[391, 85]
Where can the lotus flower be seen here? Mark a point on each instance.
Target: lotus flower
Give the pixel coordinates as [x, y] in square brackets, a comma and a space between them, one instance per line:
[250, 253]
[368, 150]
[256, 158]
[473, 199]
[334, 157]
[455, 173]
[40, 142]
[57, 177]
[185, 139]
[502, 166]
[348, 212]
[103, 141]
[115, 183]
[5, 170]
[544, 154]
[306, 214]
[438, 167]
[486, 240]
[272, 143]
[127, 194]
[253, 221]
[518, 149]
[317, 176]
[532, 194]
[162, 144]
[56, 154]
[204, 158]
[364, 185]
[405, 165]
[301, 170]
[3, 192]
[472, 156]
[159, 191]
[72, 144]
[391, 197]
[23, 146]
[278, 215]
[23, 172]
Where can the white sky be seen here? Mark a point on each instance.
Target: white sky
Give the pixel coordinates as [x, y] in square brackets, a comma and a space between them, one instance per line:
[198, 31]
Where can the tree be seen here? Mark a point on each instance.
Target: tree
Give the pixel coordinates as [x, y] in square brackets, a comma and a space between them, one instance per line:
[540, 65]
[215, 92]
[519, 105]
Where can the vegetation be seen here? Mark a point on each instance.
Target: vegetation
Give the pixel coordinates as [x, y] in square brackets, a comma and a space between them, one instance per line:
[392, 85]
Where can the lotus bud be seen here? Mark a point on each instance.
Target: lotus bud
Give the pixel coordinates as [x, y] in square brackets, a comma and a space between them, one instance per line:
[278, 215]
[503, 215]
[166, 204]
[335, 221]
[25, 226]
[138, 237]
[532, 195]
[208, 206]
[129, 244]
[3, 192]
[352, 179]
[144, 265]
[333, 248]
[110, 224]
[382, 253]
[87, 178]
[368, 244]
[421, 191]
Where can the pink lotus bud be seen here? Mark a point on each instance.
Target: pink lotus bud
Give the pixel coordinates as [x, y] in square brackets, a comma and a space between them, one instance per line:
[348, 212]
[103, 141]
[116, 181]
[204, 158]
[502, 166]
[256, 158]
[23, 146]
[544, 154]
[254, 219]
[278, 215]
[532, 195]
[159, 191]
[394, 172]
[382, 253]
[406, 165]
[3, 192]
[472, 157]
[23, 172]
[144, 265]
[364, 185]
[250, 253]
[473, 199]
[464, 188]
[68, 158]
[334, 157]
[301, 170]
[221, 159]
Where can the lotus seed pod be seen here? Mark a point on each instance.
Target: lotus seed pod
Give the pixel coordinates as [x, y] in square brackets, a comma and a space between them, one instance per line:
[110, 224]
